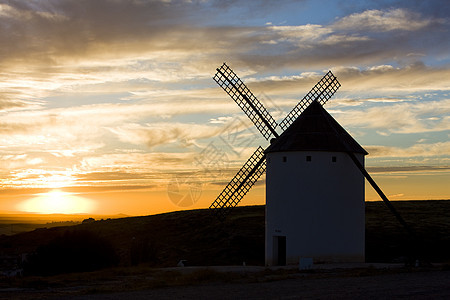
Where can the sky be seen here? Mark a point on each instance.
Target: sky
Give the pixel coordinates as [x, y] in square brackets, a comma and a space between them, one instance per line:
[109, 106]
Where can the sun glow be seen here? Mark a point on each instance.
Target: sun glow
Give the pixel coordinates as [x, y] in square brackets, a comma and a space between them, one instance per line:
[57, 202]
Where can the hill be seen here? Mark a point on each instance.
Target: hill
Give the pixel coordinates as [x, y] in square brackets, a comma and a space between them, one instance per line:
[12, 223]
[196, 236]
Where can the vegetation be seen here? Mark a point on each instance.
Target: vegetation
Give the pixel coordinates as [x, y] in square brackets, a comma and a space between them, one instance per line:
[74, 251]
[387, 240]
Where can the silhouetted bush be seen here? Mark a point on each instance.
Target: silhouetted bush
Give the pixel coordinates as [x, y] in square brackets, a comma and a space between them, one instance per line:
[75, 251]
[89, 220]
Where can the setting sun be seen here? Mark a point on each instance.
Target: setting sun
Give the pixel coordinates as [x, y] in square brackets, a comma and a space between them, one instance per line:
[57, 202]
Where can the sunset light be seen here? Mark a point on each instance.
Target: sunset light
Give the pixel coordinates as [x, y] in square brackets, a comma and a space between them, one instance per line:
[109, 101]
[56, 202]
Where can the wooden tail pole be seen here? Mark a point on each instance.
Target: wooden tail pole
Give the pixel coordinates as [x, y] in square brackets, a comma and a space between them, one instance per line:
[382, 195]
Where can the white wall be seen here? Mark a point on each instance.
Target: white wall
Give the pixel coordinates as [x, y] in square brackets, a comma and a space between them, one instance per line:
[317, 205]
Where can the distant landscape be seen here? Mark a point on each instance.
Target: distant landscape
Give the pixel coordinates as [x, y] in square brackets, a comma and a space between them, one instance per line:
[13, 223]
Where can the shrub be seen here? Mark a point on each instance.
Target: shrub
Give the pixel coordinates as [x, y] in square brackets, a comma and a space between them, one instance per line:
[75, 251]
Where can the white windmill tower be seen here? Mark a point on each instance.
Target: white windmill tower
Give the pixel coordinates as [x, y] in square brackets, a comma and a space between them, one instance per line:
[315, 178]
[314, 193]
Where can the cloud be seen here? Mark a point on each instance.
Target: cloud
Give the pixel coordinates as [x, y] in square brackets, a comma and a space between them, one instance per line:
[89, 120]
[220, 120]
[408, 169]
[388, 79]
[389, 20]
[135, 162]
[396, 196]
[136, 47]
[110, 30]
[407, 117]
[421, 150]
[365, 37]
[68, 32]
[92, 169]
[9, 103]
[300, 34]
[164, 133]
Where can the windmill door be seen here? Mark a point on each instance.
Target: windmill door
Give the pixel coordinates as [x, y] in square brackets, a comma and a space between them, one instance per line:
[279, 250]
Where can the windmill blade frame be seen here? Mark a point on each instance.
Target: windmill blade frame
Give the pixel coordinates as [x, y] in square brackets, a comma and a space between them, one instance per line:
[321, 92]
[244, 98]
[241, 183]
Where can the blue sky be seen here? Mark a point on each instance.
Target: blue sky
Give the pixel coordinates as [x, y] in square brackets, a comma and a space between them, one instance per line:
[112, 100]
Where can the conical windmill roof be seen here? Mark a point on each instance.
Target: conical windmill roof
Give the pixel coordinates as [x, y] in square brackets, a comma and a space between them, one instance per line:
[315, 130]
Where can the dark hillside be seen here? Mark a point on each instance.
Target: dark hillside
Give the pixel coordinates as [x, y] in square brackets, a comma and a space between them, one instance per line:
[387, 241]
[196, 236]
[163, 240]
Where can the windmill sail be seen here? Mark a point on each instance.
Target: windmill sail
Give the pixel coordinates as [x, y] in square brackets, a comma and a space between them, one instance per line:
[242, 182]
[255, 166]
[253, 108]
[322, 91]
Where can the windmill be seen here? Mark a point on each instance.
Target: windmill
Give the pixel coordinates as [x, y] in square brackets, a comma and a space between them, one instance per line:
[255, 166]
[301, 129]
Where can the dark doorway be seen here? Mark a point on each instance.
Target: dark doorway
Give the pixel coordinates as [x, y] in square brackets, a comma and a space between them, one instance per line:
[279, 250]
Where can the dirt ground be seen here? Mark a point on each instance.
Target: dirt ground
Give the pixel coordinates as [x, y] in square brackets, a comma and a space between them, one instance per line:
[423, 285]
[379, 282]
